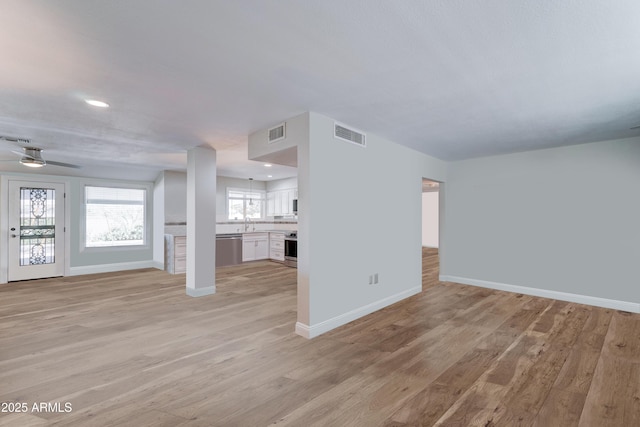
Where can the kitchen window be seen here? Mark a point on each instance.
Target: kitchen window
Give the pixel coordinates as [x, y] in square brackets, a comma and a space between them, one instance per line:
[114, 217]
[245, 204]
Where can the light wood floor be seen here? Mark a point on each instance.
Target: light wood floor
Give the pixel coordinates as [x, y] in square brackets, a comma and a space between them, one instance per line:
[131, 349]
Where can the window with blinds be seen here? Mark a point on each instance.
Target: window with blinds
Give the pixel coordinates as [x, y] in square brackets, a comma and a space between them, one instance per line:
[114, 216]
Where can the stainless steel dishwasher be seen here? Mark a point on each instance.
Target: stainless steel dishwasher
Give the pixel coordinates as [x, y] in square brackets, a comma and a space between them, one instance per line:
[228, 249]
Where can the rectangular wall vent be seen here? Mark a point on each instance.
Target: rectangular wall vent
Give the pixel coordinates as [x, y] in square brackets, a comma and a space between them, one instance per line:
[350, 135]
[14, 139]
[277, 133]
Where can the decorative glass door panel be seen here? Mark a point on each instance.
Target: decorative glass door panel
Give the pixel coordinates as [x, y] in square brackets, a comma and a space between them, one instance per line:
[36, 230]
[37, 226]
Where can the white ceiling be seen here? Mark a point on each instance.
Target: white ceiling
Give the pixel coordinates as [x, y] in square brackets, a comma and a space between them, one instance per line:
[452, 78]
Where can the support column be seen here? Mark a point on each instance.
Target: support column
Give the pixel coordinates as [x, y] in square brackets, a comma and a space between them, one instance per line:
[201, 221]
[304, 230]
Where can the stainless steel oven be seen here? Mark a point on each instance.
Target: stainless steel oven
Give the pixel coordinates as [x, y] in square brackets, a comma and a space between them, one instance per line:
[291, 249]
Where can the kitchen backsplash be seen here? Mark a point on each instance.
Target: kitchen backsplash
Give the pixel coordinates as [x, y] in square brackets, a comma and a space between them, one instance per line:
[180, 228]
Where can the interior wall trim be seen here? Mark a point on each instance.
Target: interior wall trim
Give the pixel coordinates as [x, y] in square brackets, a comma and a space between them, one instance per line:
[303, 330]
[108, 268]
[312, 331]
[201, 292]
[546, 293]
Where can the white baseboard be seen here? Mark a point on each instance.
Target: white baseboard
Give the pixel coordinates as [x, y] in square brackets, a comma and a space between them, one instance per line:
[159, 265]
[200, 292]
[108, 268]
[312, 331]
[545, 293]
[303, 330]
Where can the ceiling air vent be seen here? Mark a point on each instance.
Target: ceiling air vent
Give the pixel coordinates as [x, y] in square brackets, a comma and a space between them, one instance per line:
[350, 135]
[277, 133]
[12, 139]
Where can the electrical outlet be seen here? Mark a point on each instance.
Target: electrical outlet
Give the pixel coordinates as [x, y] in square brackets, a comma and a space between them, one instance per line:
[375, 278]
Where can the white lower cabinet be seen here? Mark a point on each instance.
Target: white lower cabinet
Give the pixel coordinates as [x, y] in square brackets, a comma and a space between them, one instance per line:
[255, 246]
[262, 248]
[276, 246]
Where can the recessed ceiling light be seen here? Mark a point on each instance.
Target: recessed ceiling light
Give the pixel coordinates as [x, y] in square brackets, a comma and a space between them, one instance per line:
[269, 176]
[267, 165]
[96, 103]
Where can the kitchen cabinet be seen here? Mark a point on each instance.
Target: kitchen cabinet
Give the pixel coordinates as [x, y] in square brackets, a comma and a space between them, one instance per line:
[175, 254]
[284, 203]
[280, 202]
[276, 246]
[275, 203]
[271, 203]
[262, 249]
[255, 246]
[291, 194]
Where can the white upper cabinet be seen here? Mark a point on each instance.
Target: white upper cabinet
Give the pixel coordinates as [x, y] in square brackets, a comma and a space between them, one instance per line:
[271, 203]
[280, 202]
[284, 202]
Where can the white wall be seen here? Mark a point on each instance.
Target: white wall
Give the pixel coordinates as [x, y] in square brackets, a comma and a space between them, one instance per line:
[282, 184]
[93, 260]
[430, 213]
[90, 260]
[565, 221]
[170, 207]
[223, 183]
[260, 149]
[175, 197]
[158, 221]
[174, 190]
[366, 186]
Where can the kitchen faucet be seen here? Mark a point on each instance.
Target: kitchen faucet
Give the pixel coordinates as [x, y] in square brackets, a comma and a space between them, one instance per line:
[247, 221]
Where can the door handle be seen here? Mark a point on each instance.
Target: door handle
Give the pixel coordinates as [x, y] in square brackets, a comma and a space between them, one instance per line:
[14, 235]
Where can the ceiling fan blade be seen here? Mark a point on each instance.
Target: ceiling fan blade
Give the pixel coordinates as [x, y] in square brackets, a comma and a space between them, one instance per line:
[23, 154]
[64, 165]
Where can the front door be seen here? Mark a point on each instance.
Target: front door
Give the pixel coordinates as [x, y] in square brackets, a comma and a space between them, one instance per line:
[36, 230]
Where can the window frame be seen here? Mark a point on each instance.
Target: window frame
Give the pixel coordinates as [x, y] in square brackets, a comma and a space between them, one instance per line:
[147, 218]
[245, 192]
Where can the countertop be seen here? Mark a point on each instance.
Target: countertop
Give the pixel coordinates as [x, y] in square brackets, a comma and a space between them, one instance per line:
[183, 233]
[266, 231]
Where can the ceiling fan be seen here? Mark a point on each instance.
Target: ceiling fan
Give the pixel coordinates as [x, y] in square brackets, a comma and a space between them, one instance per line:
[32, 156]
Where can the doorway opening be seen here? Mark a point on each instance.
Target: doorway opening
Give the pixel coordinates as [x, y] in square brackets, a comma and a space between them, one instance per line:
[430, 230]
